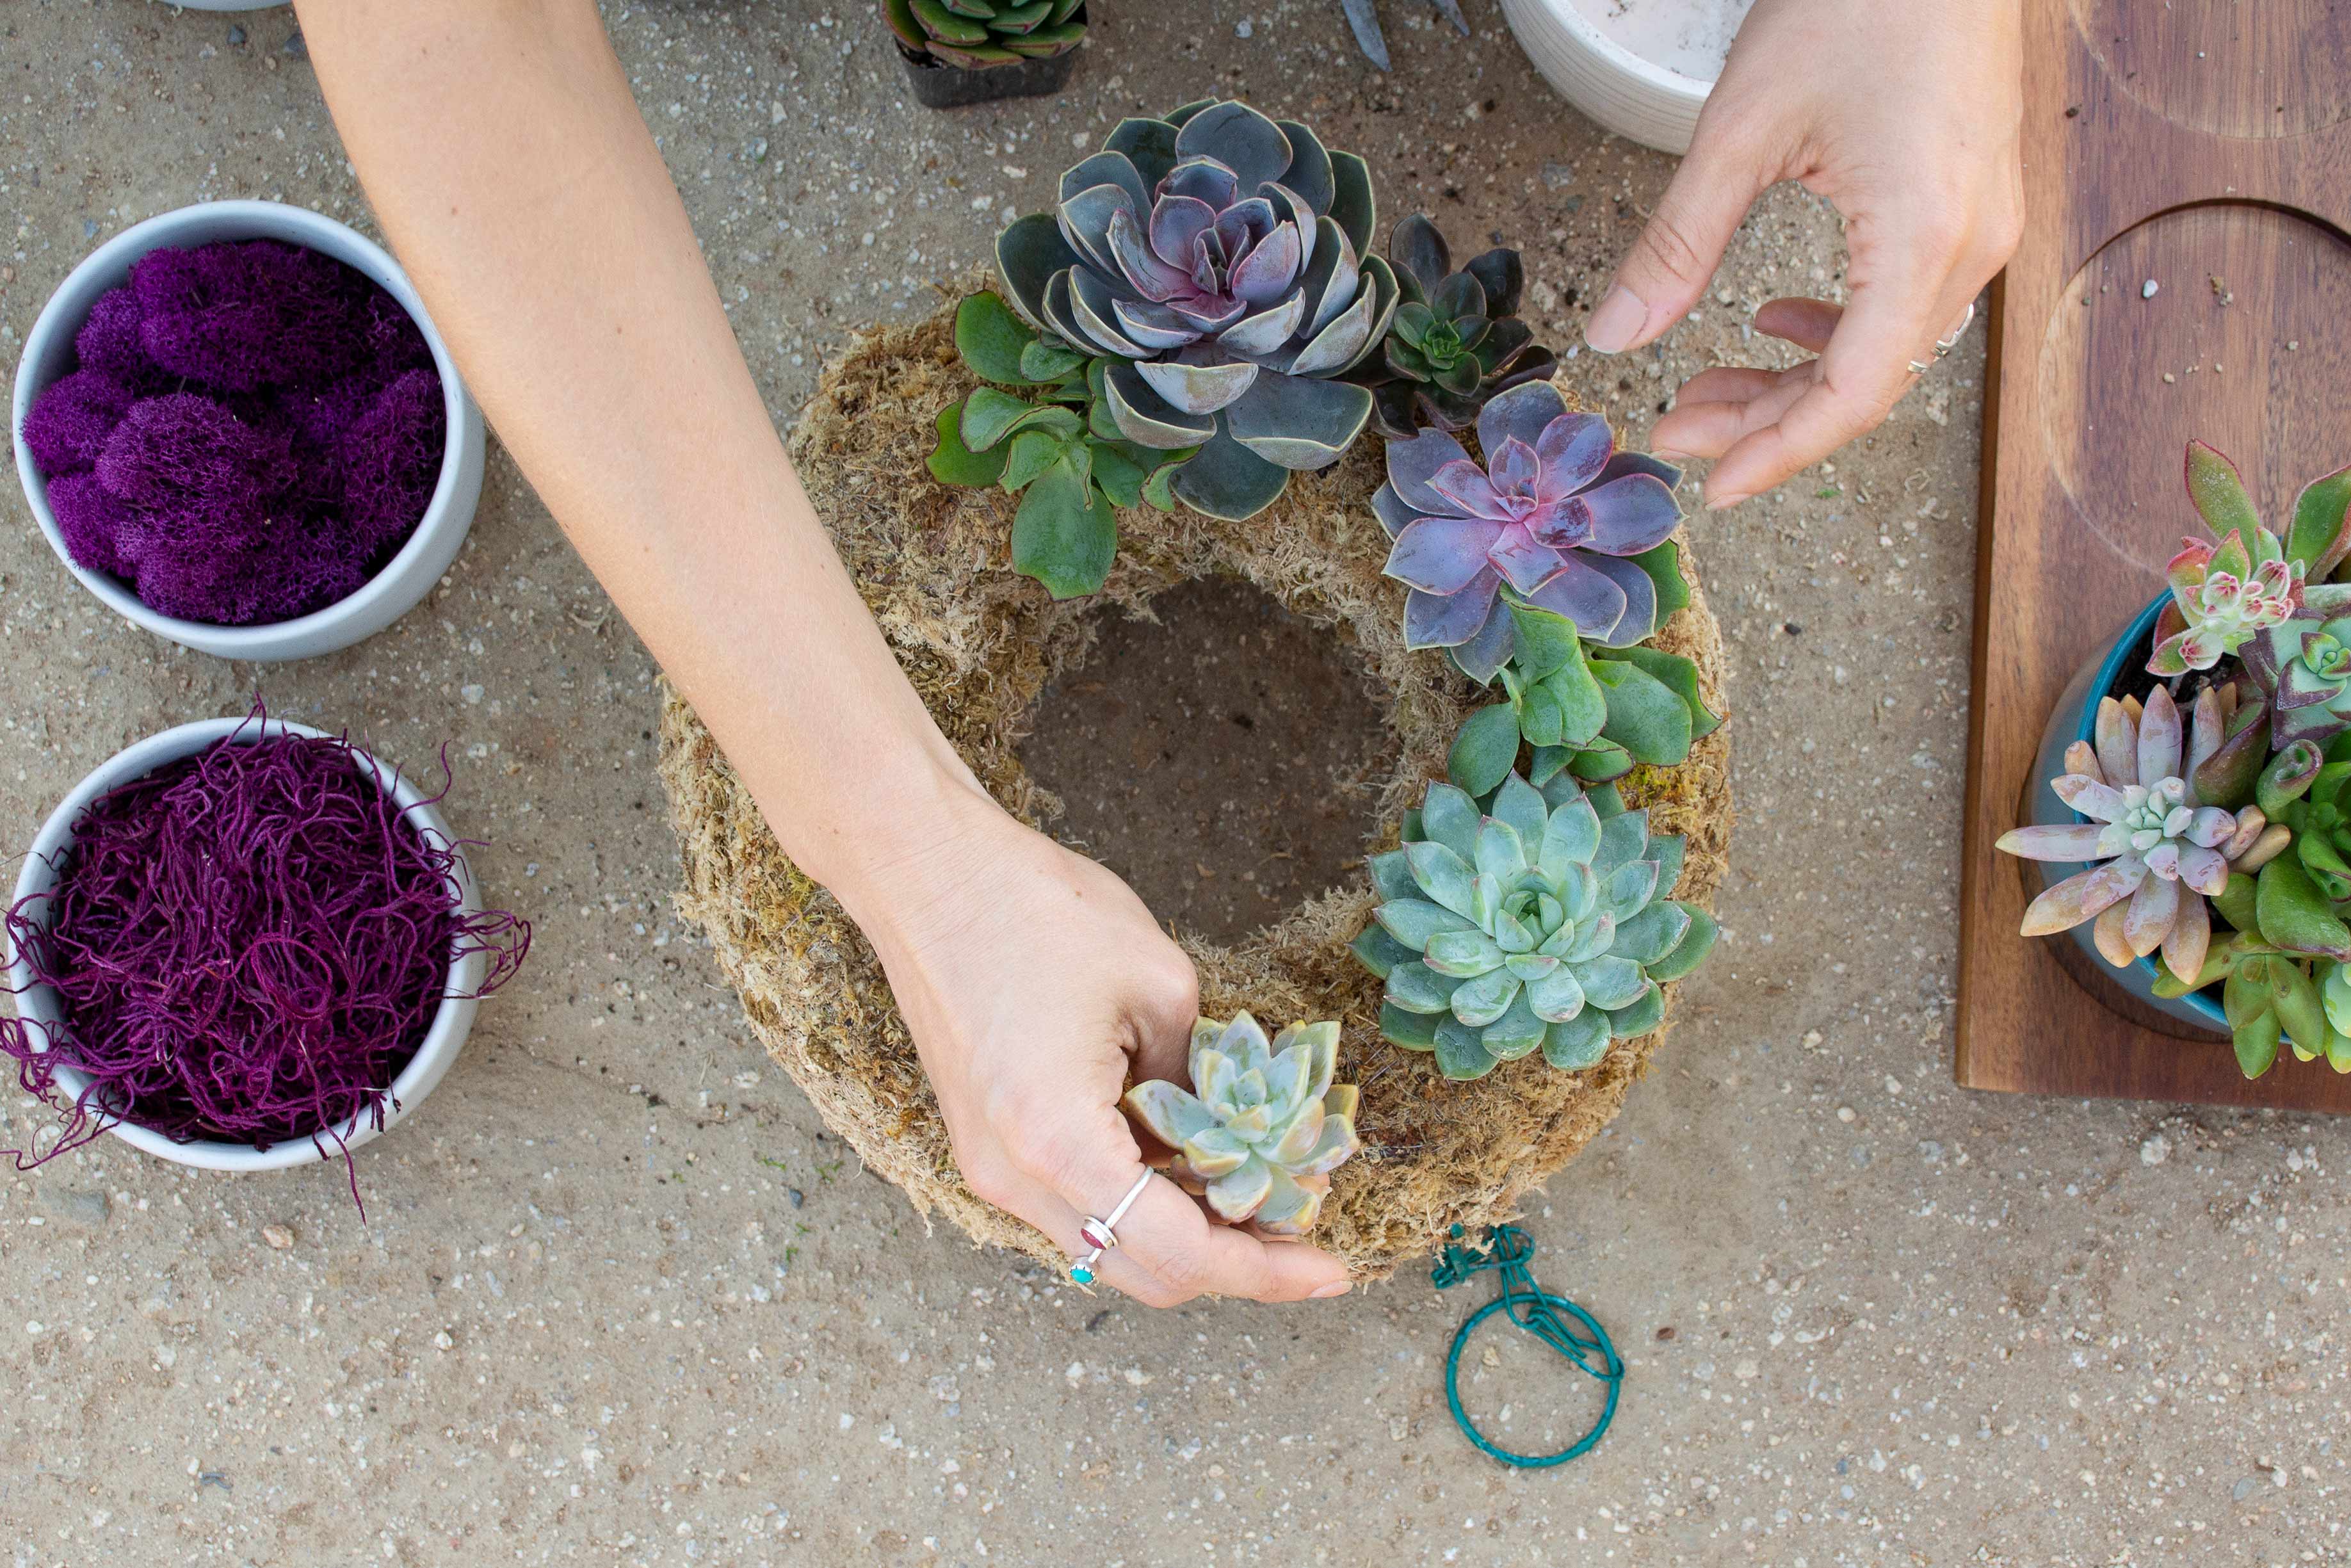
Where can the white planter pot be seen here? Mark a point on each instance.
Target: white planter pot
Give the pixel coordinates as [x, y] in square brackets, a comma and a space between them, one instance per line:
[39, 1004]
[1644, 99]
[408, 577]
[228, 5]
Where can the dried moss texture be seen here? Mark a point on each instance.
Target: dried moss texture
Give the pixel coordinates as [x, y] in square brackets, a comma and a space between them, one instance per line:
[980, 643]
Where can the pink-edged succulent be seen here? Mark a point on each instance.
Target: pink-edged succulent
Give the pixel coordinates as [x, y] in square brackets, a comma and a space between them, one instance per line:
[2222, 597]
[1556, 515]
[2160, 852]
[2227, 590]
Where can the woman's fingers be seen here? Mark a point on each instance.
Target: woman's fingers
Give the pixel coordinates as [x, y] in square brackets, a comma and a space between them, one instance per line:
[1171, 1238]
[1667, 269]
[1712, 426]
[1807, 323]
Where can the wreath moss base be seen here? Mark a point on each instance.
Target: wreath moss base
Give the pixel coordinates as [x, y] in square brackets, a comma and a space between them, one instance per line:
[980, 643]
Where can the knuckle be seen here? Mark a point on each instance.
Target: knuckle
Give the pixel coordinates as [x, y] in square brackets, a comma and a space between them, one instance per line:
[1187, 1272]
[1158, 1295]
[1671, 249]
[989, 1182]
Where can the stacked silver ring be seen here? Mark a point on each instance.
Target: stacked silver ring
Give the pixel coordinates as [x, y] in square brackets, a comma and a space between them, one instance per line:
[1945, 345]
[1100, 1235]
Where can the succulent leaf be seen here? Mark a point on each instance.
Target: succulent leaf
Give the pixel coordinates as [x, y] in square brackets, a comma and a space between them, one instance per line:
[977, 34]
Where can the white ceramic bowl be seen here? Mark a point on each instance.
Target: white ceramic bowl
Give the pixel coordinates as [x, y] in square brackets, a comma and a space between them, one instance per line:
[1636, 98]
[228, 5]
[408, 577]
[38, 1003]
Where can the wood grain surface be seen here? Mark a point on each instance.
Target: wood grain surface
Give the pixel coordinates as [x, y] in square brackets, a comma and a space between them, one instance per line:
[2203, 147]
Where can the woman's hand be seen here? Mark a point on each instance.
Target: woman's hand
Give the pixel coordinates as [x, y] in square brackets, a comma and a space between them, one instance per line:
[1033, 981]
[1906, 118]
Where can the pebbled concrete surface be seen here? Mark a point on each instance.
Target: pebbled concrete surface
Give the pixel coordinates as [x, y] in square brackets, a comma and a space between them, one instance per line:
[618, 1299]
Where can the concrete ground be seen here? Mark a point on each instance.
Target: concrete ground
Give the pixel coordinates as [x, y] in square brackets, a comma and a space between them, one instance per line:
[618, 1299]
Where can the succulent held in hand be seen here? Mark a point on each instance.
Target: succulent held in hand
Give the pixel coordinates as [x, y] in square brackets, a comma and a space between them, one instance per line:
[1546, 924]
[1456, 338]
[2225, 592]
[1556, 514]
[974, 34]
[1217, 260]
[1262, 1127]
[2162, 852]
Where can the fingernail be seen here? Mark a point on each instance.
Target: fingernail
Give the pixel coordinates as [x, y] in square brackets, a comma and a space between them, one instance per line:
[1721, 503]
[1335, 1288]
[1667, 454]
[1616, 322]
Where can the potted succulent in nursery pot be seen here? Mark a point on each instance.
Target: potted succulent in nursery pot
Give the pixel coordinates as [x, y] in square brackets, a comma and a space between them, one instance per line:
[960, 52]
[2193, 828]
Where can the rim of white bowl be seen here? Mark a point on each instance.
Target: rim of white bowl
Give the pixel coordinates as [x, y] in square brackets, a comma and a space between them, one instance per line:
[451, 1021]
[1640, 66]
[110, 264]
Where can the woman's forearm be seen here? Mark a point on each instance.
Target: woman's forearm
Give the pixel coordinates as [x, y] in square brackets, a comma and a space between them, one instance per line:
[500, 147]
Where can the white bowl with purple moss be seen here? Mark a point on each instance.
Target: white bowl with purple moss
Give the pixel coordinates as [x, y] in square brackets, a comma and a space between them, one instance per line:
[238, 428]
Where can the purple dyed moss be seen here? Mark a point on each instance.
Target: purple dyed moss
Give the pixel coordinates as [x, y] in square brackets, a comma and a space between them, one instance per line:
[68, 427]
[94, 523]
[109, 341]
[234, 316]
[391, 458]
[246, 946]
[265, 428]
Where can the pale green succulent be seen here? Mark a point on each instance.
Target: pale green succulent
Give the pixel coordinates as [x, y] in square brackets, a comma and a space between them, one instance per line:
[1542, 920]
[1263, 1127]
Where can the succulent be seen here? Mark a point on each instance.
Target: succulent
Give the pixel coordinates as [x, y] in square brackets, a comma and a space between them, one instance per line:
[1218, 262]
[2223, 593]
[1056, 449]
[2223, 598]
[974, 34]
[1567, 523]
[2161, 852]
[2270, 998]
[1594, 712]
[1540, 920]
[1456, 338]
[2303, 666]
[1262, 1127]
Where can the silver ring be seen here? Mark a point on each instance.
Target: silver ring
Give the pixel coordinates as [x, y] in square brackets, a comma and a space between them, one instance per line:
[1919, 370]
[1099, 1235]
[1945, 345]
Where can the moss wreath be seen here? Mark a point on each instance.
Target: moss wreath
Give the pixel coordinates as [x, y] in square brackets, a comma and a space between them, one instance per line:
[980, 643]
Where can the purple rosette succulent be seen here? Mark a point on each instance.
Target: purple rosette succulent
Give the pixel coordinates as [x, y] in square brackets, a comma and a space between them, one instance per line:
[1556, 517]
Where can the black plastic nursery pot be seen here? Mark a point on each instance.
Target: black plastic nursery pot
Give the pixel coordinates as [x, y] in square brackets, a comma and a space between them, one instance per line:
[938, 86]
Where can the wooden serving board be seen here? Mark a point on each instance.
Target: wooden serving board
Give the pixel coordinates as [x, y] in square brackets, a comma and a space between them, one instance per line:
[2203, 145]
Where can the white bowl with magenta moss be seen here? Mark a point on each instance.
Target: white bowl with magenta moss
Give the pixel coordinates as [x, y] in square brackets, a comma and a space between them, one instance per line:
[37, 1004]
[396, 587]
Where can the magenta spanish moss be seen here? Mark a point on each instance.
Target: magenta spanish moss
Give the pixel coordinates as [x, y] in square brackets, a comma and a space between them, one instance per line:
[247, 945]
[264, 423]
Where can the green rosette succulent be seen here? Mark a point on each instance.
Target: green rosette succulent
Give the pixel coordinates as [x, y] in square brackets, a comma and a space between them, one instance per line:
[1456, 338]
[2227, 594]
[1262, 1127]
[1054, 447]
[976, 35]
[1542, 920]
[1593, 711]
[2303, 666]
[1217, 263]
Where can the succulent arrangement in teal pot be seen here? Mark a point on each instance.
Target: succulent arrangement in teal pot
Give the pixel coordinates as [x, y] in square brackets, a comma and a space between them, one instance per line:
[1456, 338]
[2214, 810]
[1534, 920]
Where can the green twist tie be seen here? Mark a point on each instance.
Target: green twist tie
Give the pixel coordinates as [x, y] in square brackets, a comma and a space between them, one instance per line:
[1509, 1249]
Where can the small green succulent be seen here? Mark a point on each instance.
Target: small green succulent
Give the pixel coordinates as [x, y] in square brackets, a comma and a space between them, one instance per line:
[2227, 593]
[1057, 449]
[1593, 711]
[1456, 338]
[2303, 666]
[1262, 1127]
[975, 35]
[1540, 920]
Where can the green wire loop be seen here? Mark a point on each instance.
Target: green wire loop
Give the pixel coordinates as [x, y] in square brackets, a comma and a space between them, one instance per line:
[1509, 1250]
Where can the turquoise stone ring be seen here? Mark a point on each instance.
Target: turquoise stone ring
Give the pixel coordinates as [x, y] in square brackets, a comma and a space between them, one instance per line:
[1098, 1235]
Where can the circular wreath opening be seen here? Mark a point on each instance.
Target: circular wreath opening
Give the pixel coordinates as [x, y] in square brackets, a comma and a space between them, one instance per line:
[980, 643]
